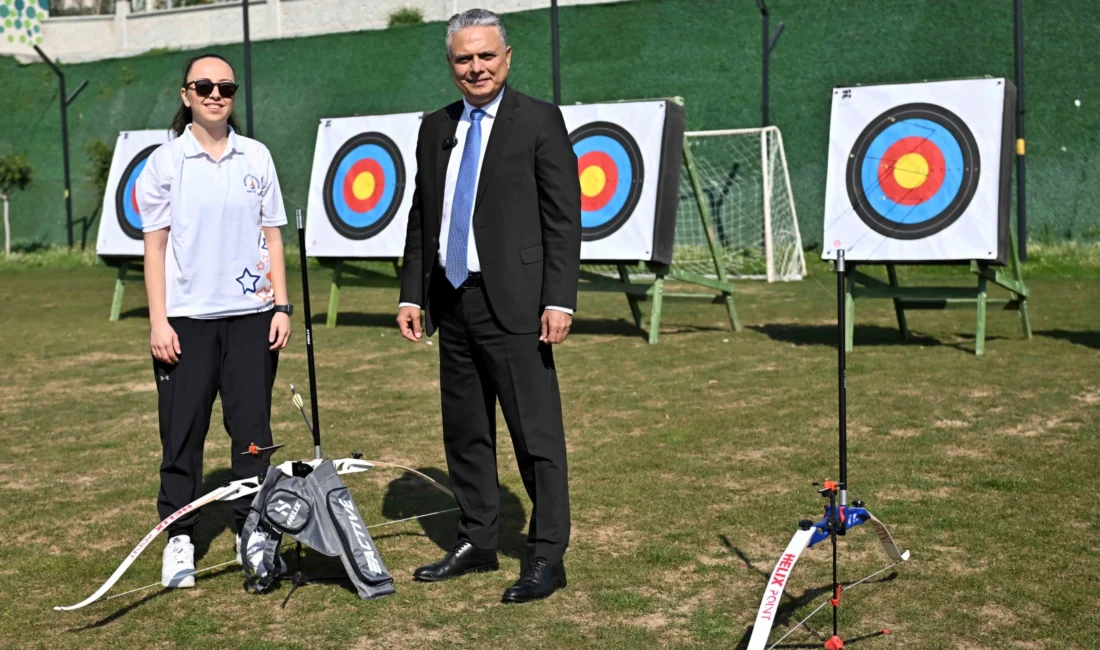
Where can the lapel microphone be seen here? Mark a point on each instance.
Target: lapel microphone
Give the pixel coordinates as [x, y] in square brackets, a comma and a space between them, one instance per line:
[450, 143]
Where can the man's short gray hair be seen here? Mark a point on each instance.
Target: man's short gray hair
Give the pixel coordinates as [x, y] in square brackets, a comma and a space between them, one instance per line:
[474, 18]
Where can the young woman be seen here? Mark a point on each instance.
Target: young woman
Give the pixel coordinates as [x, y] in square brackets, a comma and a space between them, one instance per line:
[218, 312]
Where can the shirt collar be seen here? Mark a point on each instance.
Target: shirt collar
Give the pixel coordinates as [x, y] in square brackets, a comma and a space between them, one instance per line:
[490, 109]
[192, 148]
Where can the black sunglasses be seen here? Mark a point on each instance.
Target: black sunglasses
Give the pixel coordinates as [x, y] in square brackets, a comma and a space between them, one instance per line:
[203, 88]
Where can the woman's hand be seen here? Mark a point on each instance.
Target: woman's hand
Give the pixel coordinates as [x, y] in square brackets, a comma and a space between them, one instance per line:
[280, 331]
[164, 343]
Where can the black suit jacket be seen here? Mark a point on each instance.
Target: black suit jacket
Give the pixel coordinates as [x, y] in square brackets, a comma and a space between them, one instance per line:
[527, 212]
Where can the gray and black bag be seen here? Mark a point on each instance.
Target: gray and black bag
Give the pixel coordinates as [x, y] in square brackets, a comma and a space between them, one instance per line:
[317, 510]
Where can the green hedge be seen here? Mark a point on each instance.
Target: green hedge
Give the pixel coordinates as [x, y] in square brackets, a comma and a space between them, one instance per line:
[707, 51]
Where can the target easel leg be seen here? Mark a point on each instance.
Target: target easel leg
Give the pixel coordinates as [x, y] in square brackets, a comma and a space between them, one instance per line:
[334, 295]
[899, 308]
[657, 291]
[635, 311]
[120, 291]
[979, 332]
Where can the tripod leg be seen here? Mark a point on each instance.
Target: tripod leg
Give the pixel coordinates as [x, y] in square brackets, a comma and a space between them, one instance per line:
[292, 588]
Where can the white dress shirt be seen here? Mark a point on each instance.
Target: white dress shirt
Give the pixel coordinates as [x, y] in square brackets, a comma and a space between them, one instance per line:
[216, 263]
[473, 263]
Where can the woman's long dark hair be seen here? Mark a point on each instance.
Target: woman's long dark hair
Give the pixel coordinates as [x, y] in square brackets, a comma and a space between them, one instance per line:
[183, 115]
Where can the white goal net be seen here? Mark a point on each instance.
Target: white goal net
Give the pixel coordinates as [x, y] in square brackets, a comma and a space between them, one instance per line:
[746, 186]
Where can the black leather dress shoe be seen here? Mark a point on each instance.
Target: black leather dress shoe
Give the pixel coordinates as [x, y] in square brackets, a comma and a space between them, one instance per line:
[538, 580]
[460, 560]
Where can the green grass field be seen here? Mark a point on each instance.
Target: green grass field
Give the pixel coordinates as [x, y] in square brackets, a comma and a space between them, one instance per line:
[691, 462]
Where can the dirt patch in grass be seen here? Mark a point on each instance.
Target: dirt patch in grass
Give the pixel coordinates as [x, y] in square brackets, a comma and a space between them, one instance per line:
[996, 616]
[90, 358]
[905, 433]
[414, 636]
[606, 536]
[959, 562]
[954, 451]
[1089, 398]
[1036, 426]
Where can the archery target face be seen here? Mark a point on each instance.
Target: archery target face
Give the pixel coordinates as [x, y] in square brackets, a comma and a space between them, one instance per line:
[618, 149]
[126, 205]
[914, 171]
[360, 190]
[120, 231]
[364, 185]
[611, 174]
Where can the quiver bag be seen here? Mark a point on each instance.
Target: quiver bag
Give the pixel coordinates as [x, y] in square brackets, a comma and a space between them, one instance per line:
[317, 510]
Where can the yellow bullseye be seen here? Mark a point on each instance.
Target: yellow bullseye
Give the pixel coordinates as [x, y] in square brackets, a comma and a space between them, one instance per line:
[911, 170]
[363, 186]
[593, 180]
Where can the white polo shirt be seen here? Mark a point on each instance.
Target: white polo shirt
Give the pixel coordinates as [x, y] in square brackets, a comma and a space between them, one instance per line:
[216, 263]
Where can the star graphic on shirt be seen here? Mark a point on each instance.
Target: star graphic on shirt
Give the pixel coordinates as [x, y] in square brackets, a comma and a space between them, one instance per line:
[243, 280]
[260, 266]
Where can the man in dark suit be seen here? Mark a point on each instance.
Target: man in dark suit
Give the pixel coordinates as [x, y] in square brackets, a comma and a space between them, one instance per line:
[493, 257]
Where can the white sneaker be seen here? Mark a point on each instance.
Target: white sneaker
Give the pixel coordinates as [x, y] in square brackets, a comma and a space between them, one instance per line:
[256, 542]
[178, 563]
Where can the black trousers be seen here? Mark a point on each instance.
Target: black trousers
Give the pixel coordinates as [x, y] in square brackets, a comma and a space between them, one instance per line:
[227, 357]
[479, 364]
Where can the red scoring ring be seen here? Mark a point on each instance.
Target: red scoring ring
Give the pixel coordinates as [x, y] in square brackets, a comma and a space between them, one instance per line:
[371, 166]
[931, 185]
[611, 172]
[133, 199]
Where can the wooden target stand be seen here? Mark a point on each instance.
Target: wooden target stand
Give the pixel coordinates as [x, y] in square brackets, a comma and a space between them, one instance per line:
[346, 274]
[654, 292]
[131, 270]
[861, 285]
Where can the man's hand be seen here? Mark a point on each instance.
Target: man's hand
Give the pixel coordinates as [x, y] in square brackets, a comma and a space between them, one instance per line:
[279, 335]
[164, 343]
[408, 321]
[555, 326]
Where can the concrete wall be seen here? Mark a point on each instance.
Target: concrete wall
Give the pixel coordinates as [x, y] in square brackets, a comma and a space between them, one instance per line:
[88, 38]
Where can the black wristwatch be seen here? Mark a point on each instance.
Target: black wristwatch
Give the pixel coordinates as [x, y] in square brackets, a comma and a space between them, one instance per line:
[286, 309]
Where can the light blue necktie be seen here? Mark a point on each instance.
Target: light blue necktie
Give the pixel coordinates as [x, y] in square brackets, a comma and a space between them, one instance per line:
[462, 205]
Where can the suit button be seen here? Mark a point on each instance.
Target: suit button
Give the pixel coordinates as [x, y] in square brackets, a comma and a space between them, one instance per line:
[427, 275]
[435, 240]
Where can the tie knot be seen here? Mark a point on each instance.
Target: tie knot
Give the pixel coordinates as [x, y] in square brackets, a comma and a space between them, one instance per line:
[476, 115]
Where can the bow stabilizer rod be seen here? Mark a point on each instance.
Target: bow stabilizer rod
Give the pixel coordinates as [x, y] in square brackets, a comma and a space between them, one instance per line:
[315, 428]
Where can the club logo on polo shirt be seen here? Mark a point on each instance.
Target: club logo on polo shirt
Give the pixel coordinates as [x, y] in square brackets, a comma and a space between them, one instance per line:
[251, 184]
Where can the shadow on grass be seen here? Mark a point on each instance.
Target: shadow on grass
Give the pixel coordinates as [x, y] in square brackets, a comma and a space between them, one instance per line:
[359, 319]
[827, 335]
[785, 611]
[582, 326]
[624, 327]
[409, 495]
[107, 620]
[1087, 339]
[136, 312]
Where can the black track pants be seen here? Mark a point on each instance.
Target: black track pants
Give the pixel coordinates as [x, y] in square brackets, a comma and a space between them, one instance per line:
[227, 357]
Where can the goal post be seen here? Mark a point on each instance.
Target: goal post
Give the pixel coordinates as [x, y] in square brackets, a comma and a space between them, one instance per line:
[746, 186]
[735, 220]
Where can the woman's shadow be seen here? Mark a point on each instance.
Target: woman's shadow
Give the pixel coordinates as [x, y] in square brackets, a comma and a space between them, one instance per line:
[409, 496]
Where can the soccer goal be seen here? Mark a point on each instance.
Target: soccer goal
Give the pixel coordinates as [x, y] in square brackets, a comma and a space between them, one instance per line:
[745, 185]
[735, 219]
